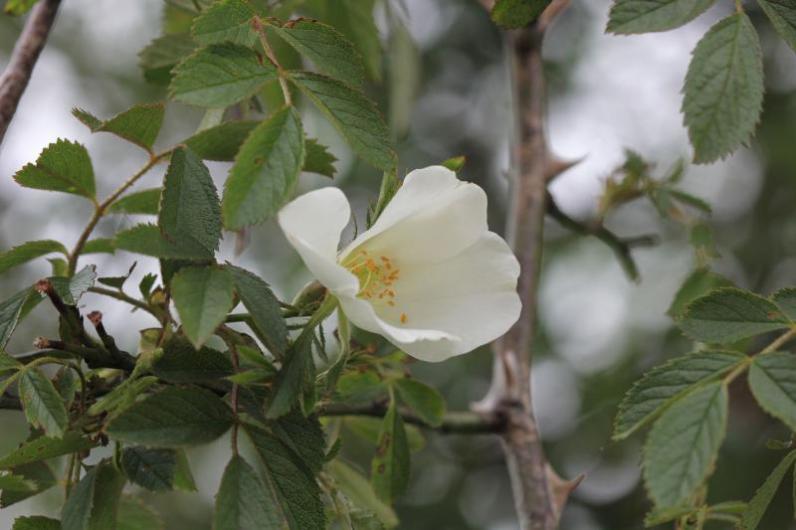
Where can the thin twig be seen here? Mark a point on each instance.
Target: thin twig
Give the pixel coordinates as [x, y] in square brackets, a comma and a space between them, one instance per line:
[17, 74]
[452, 422]
[620, 246]
[118, 295]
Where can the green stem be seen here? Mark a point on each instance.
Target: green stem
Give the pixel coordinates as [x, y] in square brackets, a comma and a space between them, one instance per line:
[125, 298]
[269, 52]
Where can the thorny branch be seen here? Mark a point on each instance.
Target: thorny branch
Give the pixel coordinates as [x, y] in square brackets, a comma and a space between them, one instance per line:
[26, 52]
[539, 493]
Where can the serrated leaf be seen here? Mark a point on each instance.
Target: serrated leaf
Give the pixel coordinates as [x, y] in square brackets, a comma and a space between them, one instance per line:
[699, 283]
[353, 114]
[148, 240]
[10, 313]
[293, 381]
[174, 417]
[318, 159]
[786, 301]
[41, 402]
[144, 202]
[122, 396]
[682, 445]
[190, 213]
[220, 75]
[221, 142]
[265, 170]
[264, 308]
[643, 16]
[242, 502]
[36, 522]
[100, 245]
[12, 482]
[203, 296]
[38, 474]
[291, 487]
[764, 494]
[150, 468]
[71, 290]
[723, 93]
[727, 315]
[159, 57]
[782, 14]
[390, 466]
[304, 436]
[139, 124]
[513, 14]
[94, 503]
[62, 166]
[330, 51]
[358, 490]
[29, 251]
[182, 363]
[135, 515]
[664, 384]
[44, 448]
[772, 378]
[225, 21]
[424, 400]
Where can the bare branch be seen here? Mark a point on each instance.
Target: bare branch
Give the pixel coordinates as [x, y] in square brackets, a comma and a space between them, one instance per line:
[539, 493]
[26, 52]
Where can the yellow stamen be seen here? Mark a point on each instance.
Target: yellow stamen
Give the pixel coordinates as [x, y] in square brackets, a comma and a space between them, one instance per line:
[404, 318]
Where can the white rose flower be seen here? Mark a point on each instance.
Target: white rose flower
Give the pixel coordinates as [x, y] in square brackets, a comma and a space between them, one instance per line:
[428, 276]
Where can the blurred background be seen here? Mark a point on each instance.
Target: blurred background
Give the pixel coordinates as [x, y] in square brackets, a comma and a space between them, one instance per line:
[446, 93]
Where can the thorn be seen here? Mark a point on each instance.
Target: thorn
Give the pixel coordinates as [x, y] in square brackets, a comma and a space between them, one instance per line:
[556, 166]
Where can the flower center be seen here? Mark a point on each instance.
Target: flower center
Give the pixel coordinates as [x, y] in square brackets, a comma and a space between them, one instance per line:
[377, 276]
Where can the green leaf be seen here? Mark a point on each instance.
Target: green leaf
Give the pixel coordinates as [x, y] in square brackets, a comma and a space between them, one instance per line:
[36, 522]
[264, 308]
[135, 515]
[513, 14]
[43, 448]
[772, 378]
[699, 283]
[29, 251]
[122, 396]
[359, 491]
[8, 363]
[265, 170]
[181, 363]
[782, 14]
[242, 502]
[174, 417]
[353, 114]
[190, 214]
[221, 142]
[304, 436]
[148, 240]
[642, 16]
[327, 48]
[99, 246]
[427, 403]
[682, 445]
[225, 21]
[10, 313]
[292, 491]
[94, 503]
[43, 406]
[318, 159]
[37, 474]
[390, 466]
[145, 202]
[183, 478]
[71, 290]
[220, 75]
[723, 93]
[729, 314]
[159, 57]
[18, 7]
[11, 482]
[369, 430]
[294, 380]
[203, 297]
[786, 301]
[139, 124]
[62, 166]
[152, 469]
[764, 494]
[665, 384]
